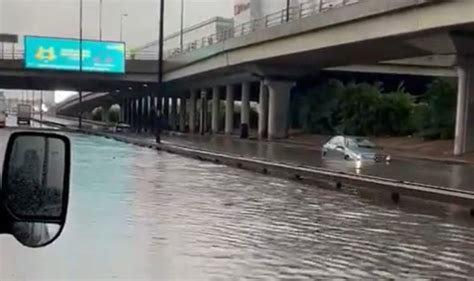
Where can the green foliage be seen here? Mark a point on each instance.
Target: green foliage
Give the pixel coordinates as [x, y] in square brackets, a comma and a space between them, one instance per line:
[438, 118]
[358, 109]
[394, 113]
[363, 109]
[319, 108]
[97, 114]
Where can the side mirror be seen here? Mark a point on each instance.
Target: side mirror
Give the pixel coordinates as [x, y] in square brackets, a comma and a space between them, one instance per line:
[35, 186]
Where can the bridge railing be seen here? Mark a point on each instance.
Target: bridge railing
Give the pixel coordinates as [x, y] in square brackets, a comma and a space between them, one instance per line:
[311, 8]
[274, 19]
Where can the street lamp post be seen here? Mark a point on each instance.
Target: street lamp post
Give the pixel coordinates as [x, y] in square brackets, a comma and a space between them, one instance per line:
[122, 16]
[80, 63]
[287, 10]
[100, 19]
[181, 37]
[160, 42]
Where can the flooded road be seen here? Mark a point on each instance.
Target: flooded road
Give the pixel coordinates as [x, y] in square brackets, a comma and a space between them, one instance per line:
[456, 176]
[136, 213]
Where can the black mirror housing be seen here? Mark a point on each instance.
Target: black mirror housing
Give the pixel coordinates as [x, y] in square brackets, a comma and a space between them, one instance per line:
[35, 186]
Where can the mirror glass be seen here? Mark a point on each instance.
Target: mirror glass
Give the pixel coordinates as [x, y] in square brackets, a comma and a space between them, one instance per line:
[34, 181]
[35, 234]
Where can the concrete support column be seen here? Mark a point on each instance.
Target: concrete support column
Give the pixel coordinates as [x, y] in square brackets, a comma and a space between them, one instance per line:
[215, 109]
[105, 114]
[203, 113]
[192, 112]
[245, 110]
[245, 107]
[146, 114]
[464, 134]
[131, 104]
[166, 112]
[279, 105]
[125, 111]
[133, 109]
[229, 110]
[121, 112]
[263, 112]
[140, 115]
[174, 114]
[182, 113]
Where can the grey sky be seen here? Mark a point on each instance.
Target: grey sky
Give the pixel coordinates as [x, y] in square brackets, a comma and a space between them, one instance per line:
[61, 17]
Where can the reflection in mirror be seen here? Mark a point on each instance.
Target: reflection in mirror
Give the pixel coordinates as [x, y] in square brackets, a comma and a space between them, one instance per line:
[34, 234]
[36, 171]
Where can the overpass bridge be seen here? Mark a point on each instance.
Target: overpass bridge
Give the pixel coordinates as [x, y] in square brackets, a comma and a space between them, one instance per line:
[431, 37]
[13, 75]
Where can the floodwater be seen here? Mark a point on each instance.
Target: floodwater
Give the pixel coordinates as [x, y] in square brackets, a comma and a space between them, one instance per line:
[455, 176]
[136, 213]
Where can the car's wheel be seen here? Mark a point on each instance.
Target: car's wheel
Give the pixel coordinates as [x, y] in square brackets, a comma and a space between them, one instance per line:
[324, 153]
[347, 157]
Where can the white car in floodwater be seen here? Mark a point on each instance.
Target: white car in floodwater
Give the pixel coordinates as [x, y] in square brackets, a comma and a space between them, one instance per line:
[353, 148]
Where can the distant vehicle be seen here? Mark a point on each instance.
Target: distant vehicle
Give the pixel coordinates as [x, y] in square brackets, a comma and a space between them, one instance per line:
[353, 148]
[24, 114]
[3, 110]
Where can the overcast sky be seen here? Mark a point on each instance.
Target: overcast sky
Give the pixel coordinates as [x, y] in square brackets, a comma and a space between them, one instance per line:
[61, 17]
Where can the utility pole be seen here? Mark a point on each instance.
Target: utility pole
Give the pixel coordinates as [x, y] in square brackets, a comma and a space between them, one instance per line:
[160, 42]
[100, 19]
[287, 10]
[121, 25]
[80, 63]
[181, 38]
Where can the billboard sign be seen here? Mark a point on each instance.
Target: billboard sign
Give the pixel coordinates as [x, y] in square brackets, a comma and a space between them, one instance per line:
[63, 54]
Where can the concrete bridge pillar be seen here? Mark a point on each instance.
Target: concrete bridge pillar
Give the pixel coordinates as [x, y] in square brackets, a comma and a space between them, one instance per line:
[105, 114]
[279, 105]
[166, 111]
[124, 109]
[174, 114]
[192, 111]
[464, 134]
[182, 113]
[133, 113]
[140, 115]
[145, 113]
[263, 111]
[203, 113]
[130, 112]
[245, 110]
[229, 110]
[215, 110]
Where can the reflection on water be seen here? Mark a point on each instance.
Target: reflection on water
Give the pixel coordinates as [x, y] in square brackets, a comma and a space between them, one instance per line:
[138, 213]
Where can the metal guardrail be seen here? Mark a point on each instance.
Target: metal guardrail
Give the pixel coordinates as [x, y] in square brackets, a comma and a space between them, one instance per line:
[274, 19]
